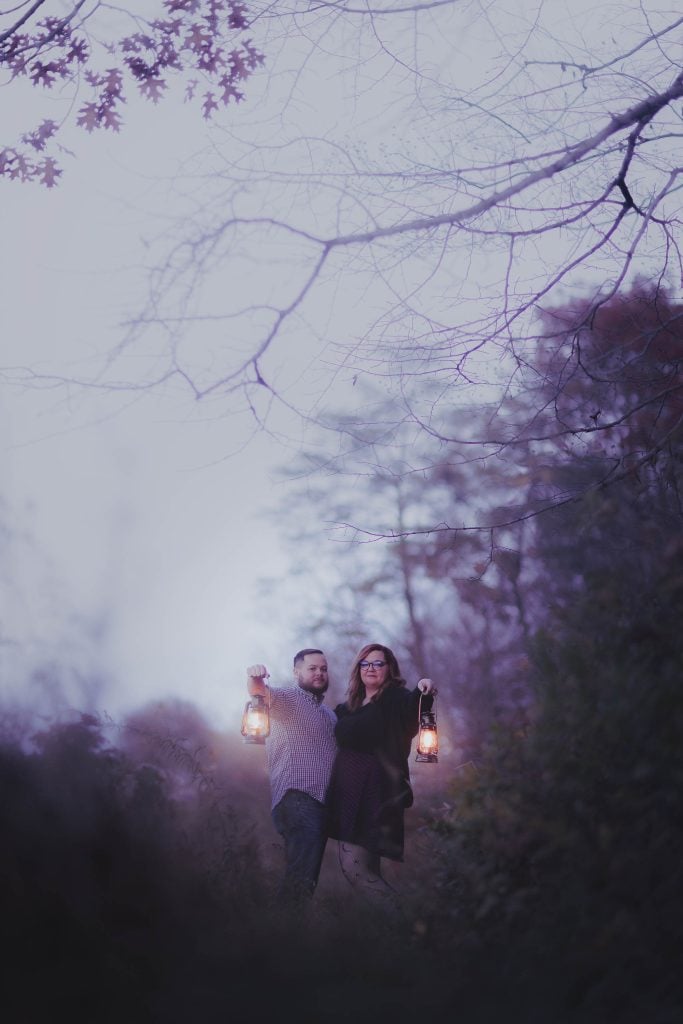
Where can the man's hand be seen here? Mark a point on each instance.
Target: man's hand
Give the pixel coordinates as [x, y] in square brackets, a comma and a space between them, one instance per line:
[427, 686]
[256, 680]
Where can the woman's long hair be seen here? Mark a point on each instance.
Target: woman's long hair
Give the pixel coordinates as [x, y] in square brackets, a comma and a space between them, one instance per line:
[355, 693]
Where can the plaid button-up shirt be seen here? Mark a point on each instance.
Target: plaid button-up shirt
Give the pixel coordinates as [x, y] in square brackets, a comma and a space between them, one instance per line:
[301, 747]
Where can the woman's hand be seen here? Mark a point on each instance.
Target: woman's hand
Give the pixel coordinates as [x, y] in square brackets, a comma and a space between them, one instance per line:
[427, 686]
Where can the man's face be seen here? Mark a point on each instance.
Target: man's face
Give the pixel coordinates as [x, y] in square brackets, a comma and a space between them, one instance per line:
[311, 673]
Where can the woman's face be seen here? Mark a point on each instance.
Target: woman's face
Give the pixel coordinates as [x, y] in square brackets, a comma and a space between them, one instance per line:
[374, 669]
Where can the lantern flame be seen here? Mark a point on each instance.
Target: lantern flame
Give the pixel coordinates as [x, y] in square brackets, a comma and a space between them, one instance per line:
[427, 737]
[255, 721]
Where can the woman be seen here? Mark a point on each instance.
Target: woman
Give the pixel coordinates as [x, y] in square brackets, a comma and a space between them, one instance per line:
[370, 785]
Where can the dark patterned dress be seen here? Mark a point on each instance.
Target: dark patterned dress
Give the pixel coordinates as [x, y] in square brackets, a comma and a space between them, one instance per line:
[370, 785]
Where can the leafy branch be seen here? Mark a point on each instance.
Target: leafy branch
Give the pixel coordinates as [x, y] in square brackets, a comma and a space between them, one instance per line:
[196, 40]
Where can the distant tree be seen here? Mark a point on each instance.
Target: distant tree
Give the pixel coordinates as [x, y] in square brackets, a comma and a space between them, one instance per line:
[564, 846]
[84, 45]
[396, 560]
[460, 560]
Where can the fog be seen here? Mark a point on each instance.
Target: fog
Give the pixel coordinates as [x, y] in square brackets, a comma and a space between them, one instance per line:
[134, 526]
[135, 518]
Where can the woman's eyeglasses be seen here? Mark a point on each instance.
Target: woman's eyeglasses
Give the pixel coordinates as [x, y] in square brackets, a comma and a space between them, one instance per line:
[371, 664]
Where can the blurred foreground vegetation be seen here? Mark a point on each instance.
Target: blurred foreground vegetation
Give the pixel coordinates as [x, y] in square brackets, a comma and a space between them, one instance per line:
[542, 883]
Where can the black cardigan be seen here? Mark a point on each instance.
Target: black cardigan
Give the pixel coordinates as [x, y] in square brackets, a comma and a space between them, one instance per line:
[386, 728]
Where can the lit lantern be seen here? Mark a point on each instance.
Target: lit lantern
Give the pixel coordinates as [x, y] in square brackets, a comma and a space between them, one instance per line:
[427, 737]
[256, 720]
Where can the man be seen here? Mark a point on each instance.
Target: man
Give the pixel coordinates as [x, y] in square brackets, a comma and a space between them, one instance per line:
[301, 749]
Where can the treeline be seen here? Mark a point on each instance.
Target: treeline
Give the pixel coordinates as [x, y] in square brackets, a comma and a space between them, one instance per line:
[544, 872]
[463, 537]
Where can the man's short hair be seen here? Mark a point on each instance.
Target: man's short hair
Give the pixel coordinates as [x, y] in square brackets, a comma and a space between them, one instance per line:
[300, 655]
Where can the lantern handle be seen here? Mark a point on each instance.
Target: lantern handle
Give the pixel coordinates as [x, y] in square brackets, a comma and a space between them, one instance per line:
[432, 695]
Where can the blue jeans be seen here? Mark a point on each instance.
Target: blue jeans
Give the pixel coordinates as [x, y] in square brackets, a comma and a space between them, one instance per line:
[302, 822]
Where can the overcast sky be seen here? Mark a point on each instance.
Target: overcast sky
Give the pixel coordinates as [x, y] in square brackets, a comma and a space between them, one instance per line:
[137, 519]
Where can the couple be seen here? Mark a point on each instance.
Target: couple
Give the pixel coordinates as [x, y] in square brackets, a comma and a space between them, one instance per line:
[344, 774]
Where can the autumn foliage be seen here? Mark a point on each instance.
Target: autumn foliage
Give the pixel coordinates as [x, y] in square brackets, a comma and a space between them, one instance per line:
[200, 42]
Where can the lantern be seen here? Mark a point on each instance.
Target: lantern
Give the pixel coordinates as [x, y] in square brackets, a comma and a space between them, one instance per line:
[427, 737]
[256, 720]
